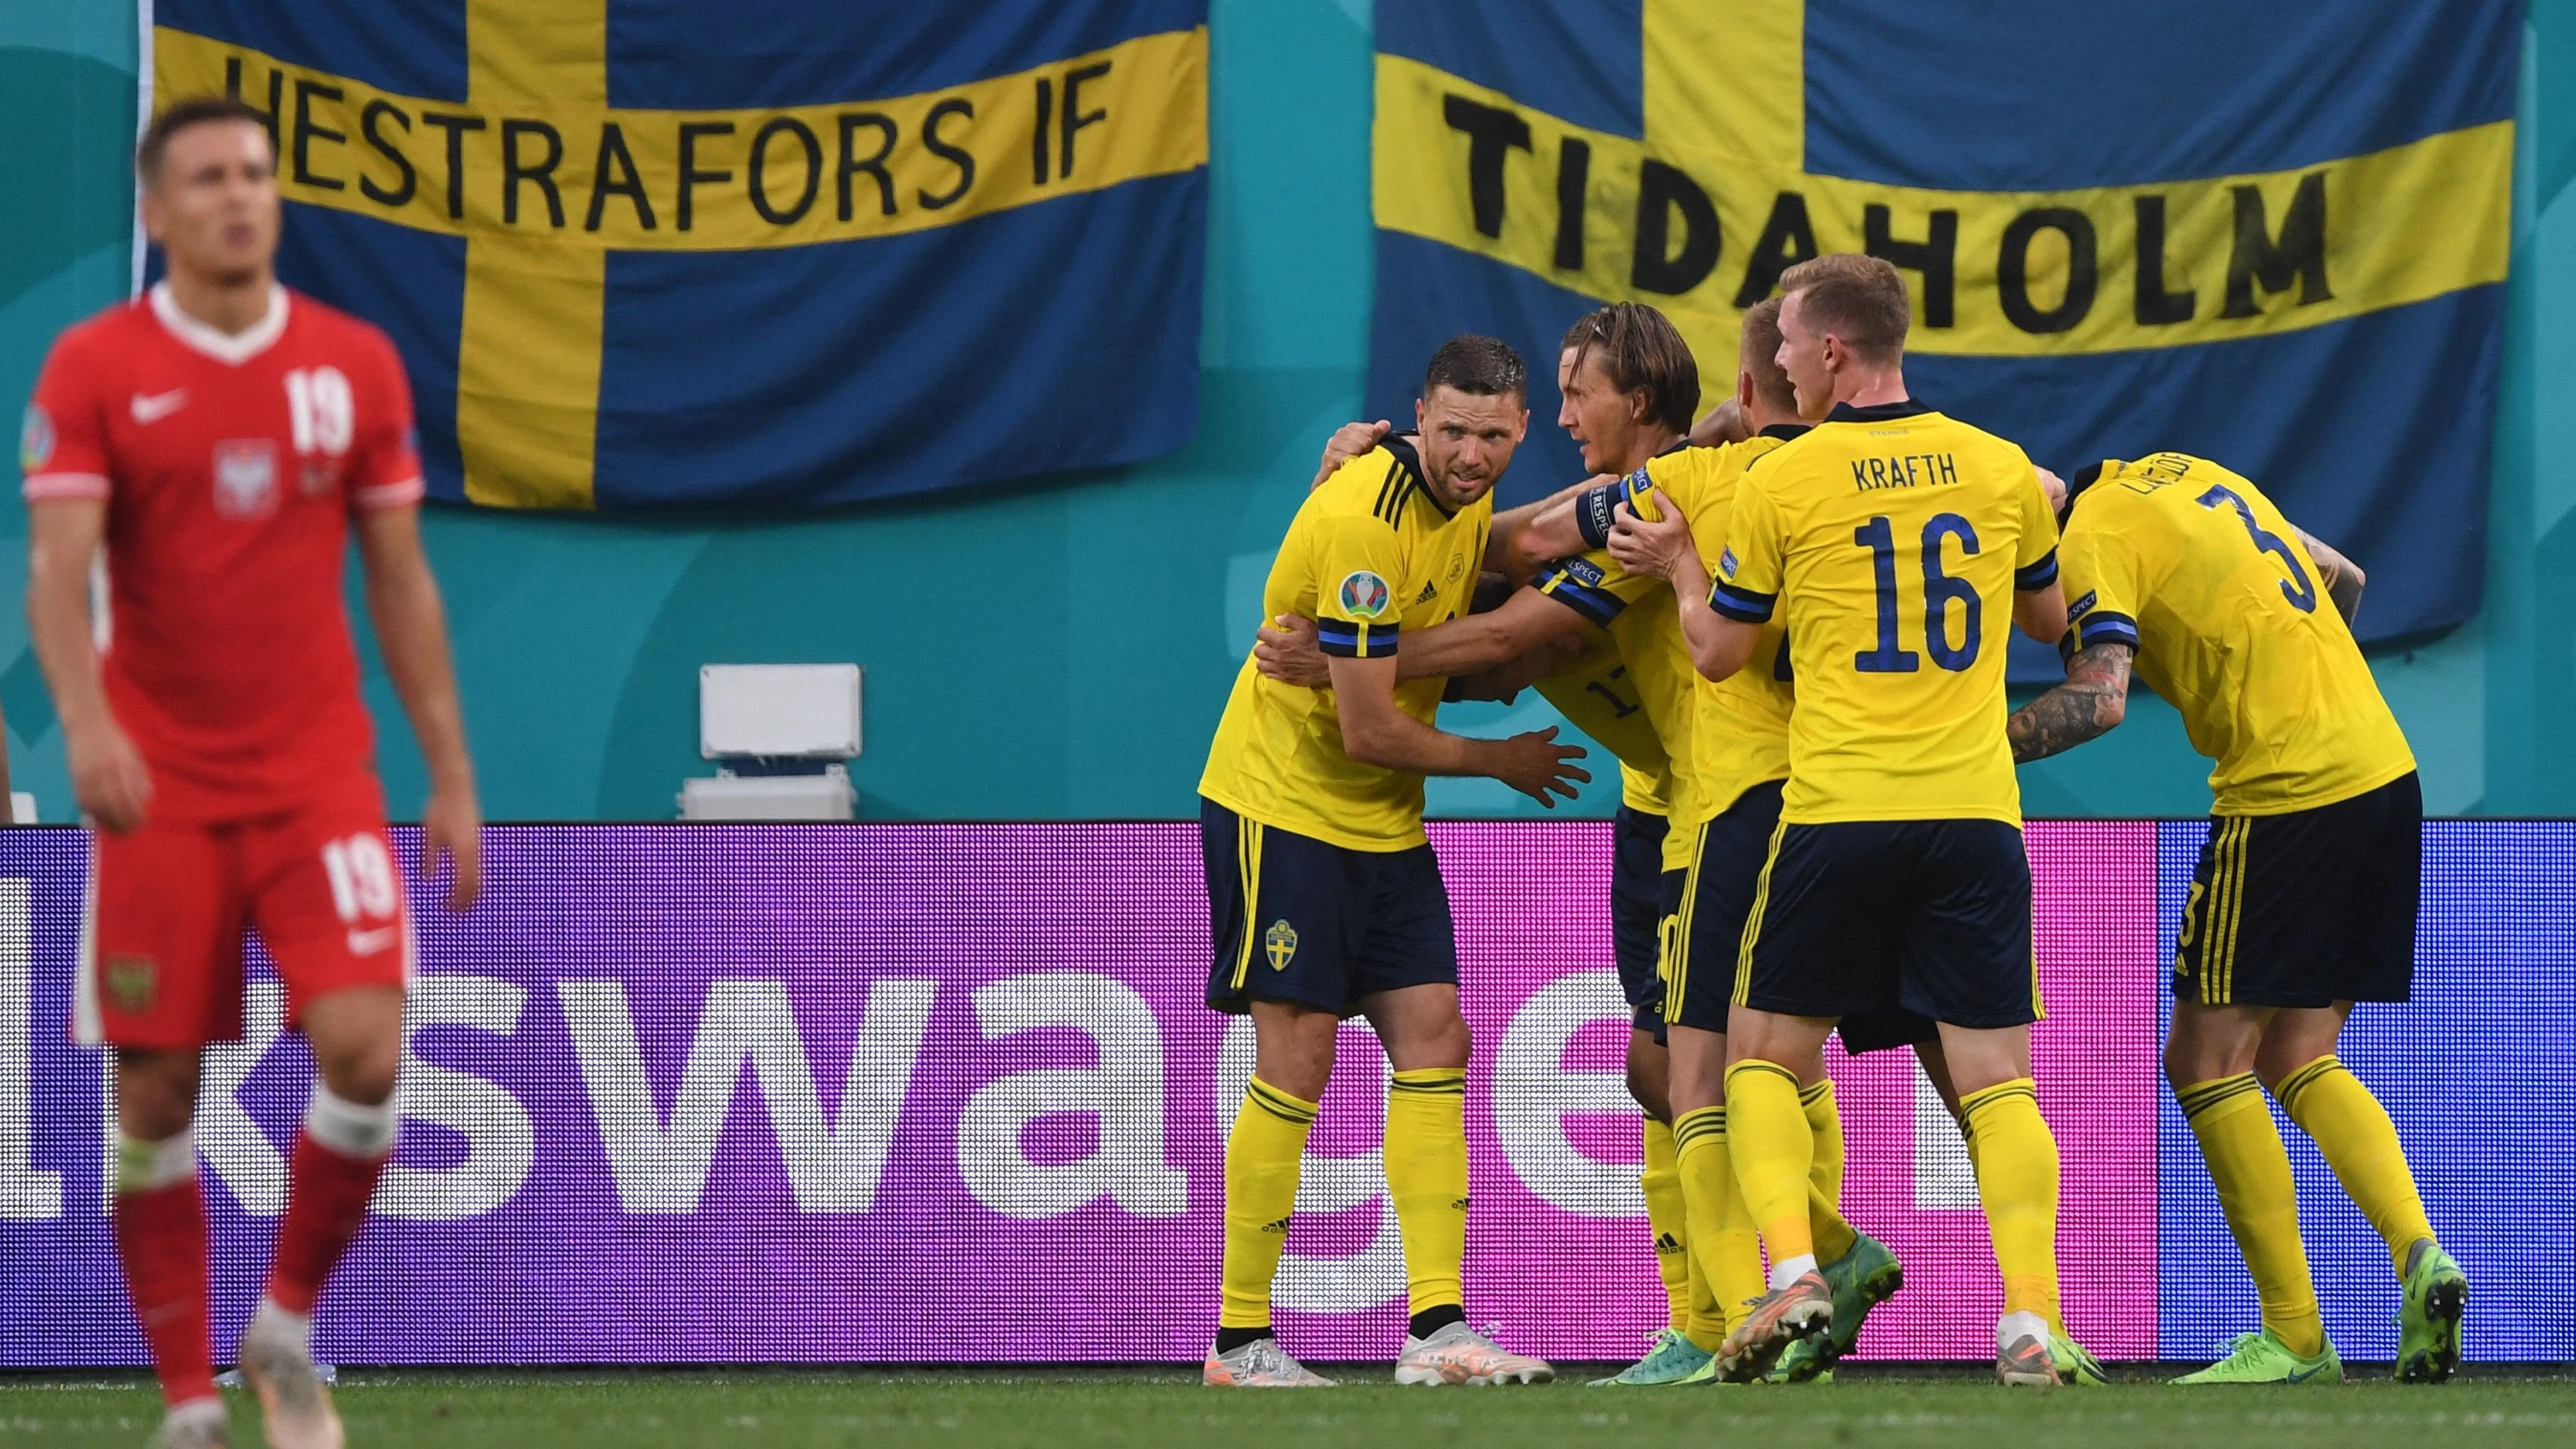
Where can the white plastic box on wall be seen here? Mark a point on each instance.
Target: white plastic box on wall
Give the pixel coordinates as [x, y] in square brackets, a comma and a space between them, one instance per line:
[772, 713]
[779, 711]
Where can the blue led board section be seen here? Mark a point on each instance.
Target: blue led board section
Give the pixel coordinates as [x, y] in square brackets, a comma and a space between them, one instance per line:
[2476, 1072]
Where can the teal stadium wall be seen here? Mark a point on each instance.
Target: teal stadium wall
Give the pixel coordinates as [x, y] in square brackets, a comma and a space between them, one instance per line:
[1088, 625]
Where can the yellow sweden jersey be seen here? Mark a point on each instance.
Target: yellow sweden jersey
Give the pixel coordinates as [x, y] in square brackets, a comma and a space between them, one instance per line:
[1633, 711]
[1597, 695]
[2193, 565]
[1891, 540]
[1740, 729]
[1370, 554]
[1637, 612]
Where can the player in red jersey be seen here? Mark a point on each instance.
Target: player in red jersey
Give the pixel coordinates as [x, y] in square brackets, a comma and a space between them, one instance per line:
[222, 438]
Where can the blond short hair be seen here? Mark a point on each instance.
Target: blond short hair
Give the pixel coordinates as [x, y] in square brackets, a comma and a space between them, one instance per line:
[1859, 299]
[1762, 355]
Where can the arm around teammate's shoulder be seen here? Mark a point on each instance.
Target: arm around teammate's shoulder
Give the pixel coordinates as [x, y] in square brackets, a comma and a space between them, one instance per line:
[2091, 703]
[1377, 731]
[2041, 612]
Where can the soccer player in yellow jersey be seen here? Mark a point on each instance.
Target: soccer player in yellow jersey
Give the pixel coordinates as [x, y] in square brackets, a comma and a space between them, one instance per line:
[1670, 525]
[1897, 545]
[1324, 897]
[1621, 675]
[2304, 898]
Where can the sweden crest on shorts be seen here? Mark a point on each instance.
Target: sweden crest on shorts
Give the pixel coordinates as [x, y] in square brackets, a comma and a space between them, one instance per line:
[1279, 943]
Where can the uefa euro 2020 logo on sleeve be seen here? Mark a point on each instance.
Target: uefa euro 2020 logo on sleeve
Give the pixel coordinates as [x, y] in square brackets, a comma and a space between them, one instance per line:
[35, 440]
[1364, 594]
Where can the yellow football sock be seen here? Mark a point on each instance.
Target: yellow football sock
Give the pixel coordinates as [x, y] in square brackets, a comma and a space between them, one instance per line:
[1767, 1137]
[1665, 1218]
[1726, 1257]
[1825, 1172]
[2252, 1171]
[2016, 1162]
[1426, 1178]
[1261, 1157]
[2350, 1127]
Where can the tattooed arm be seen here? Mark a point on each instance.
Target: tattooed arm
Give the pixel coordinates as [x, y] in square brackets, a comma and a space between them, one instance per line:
[2344, 578]
[2091, 702]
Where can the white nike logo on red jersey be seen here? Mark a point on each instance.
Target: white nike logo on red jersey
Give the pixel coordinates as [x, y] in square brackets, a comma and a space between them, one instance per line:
[368, 943]
[159, 405]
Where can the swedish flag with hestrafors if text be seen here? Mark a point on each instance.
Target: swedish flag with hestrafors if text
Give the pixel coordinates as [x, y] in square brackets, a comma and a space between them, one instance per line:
[1372, 553]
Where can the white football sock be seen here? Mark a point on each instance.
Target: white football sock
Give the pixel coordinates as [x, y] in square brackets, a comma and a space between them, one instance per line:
[1790, 1270]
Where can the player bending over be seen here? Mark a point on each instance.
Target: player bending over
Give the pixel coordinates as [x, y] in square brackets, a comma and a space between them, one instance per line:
[1324, 897]
[1897, 546]
[2304, 899]
[223, 437]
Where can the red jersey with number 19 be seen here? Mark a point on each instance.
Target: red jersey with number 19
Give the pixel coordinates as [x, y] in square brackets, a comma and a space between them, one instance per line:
[229, 465]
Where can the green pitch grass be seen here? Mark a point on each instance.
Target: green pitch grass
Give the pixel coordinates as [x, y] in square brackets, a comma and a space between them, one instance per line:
[1113, 1409]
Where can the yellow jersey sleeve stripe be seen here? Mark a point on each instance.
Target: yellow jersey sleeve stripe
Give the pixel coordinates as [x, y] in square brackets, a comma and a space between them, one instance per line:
[1346, 640]
[2105, 627]
[1744, 606]
[1562, 583]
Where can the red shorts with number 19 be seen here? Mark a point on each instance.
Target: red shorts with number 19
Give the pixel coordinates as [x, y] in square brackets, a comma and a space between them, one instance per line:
[162, 948]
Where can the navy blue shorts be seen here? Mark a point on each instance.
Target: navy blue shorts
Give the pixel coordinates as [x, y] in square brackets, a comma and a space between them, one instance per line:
[1637, 907]
[1297, 919]
[1855, 918]
[1708, 928]
[2308, 908]
[1717, 893]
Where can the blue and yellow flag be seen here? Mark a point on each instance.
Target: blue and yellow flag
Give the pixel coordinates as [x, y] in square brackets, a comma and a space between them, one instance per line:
[782, 253]
[2272, 234]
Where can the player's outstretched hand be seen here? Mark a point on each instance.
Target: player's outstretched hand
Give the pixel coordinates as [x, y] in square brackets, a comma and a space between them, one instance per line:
[1644, 547]
[109, 778]
[1285, 650]
[1535, 764]
[1348, 442]
[451, 828]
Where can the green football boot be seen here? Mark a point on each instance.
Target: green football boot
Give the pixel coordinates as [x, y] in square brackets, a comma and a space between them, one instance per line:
[1671, 1358]
[1710, 1373]
[2261, 1358]
[2428, 1321]
[1866, 1275]
[2076, 1366]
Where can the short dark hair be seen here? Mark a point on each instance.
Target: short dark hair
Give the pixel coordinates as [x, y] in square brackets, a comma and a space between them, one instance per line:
[193, 111]
[1859, 299]
[1640, 347]
[1761, 347]
[1484, 366]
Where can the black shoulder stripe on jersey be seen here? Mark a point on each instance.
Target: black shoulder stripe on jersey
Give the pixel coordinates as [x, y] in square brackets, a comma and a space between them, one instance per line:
[1403, 477]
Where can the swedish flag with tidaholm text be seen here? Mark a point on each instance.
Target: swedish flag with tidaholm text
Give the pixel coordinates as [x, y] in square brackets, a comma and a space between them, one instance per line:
[645, 256]
[2271, 235]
